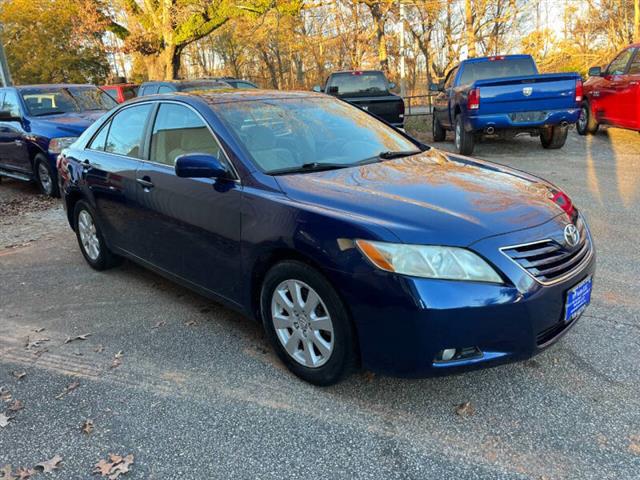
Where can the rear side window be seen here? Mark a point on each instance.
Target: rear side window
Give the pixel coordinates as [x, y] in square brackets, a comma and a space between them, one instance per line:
[11, 103]
[165, 89]
[507, 67]
[634, 68]
[126, 131]
[178, 130]
[619, 64]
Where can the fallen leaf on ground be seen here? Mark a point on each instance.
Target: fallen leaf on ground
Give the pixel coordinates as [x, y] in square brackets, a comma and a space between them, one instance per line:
[117, 360]
[116, 466]
[369, 376]
[161, 323]
[25, 473]
[465, 409]
[50, 465]
[19, 375]
[35, 343]
[99, 349]
[634, 444]
[4, 420]
[77, 337]
[6, 473]
[5, 394]
[69, 388]
[38, 330]
[16, 405]
[191, 323]
[87, 426]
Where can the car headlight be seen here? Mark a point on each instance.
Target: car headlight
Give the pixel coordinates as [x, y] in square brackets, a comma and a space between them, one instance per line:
[56, 145]
[429, 261]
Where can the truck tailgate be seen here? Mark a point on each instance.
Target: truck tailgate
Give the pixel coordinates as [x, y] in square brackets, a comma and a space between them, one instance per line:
[389, 108]
[535, 93]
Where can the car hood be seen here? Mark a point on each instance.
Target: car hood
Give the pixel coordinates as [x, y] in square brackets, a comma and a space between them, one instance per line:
[66, 124]
[431, 198]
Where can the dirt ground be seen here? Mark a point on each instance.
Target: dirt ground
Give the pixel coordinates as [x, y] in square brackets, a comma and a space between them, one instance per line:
[192, 390]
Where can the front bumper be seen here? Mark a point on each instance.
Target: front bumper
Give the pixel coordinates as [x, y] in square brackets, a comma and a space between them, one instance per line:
[505, 121]
[404, 322]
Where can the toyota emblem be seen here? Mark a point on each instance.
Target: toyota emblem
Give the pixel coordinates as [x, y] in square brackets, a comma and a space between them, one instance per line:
[571, 235]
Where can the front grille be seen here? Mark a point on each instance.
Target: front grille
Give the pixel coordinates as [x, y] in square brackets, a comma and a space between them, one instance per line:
[550, 260]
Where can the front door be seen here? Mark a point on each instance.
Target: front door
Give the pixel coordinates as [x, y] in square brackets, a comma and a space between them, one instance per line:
[442, 100]
[631, 118]
[192, 225]
[614, 87]
[14, 152]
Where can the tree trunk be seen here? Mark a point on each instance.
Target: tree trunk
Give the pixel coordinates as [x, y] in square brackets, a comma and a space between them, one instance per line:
[636, 21]
[469, 29]
[381, 39]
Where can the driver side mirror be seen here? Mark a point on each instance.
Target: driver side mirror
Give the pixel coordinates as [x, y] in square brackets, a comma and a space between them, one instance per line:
[6, 116]
[317, 89]
[436, 87]
[200, 165]
[392, 85]
[595, 72]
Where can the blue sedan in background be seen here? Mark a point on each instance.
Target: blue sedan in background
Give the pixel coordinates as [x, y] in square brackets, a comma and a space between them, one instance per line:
[38, 121]
[353, 244]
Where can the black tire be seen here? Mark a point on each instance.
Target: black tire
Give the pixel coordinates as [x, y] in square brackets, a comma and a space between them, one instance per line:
[586, 124]
[554, 137]
[438, 131]
[342, 358]
[46, 177]
[105, 258]
[464, 141]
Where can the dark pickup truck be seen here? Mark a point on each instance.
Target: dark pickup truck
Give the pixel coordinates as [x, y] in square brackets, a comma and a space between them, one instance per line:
[504, 96]
[369, 90]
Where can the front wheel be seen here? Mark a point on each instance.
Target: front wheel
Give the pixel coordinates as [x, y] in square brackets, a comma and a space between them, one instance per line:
[45, 177]
[586, 123]
[90, 238]
[438, 131]
[464, 140]
[307, 323]
[554, 137]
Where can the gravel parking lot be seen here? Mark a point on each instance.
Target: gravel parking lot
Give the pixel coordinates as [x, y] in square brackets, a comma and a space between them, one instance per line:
[192, 390]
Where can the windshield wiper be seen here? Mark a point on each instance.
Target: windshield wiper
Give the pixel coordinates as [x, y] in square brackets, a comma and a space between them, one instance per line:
[311, 167]
[398, 154]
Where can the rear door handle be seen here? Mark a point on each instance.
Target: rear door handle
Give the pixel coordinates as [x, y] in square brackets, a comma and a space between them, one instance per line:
[145, 182]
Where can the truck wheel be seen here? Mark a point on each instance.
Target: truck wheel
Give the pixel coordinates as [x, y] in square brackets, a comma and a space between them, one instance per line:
[586, 123]
[45, 176]
[464, 140]
[554, 137]
[439, 133]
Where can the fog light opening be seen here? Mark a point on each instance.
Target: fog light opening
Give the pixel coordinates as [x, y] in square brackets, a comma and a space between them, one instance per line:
[456, 354]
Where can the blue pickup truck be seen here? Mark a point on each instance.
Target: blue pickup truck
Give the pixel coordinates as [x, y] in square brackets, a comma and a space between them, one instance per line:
[504, 96]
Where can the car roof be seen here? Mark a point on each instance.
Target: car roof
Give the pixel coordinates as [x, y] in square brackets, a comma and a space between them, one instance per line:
[488, 58]
[354, 71]
[233, 95]
[54, 85]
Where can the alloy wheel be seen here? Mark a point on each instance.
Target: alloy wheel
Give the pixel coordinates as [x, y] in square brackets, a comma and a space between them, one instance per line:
[88, 235]
[46, 182]
[302, 323]
[582, 120]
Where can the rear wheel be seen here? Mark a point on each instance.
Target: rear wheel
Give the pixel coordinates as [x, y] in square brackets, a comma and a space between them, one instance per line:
[586, 123]
[45, 176]
[307, 323]
[438, 131]
[554, 137]
[464, 140]
[90, 239]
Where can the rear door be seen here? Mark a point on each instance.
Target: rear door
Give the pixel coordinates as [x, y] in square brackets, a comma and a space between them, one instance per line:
[110, 164]
[191, 225]
[630, 94]
[14, 151]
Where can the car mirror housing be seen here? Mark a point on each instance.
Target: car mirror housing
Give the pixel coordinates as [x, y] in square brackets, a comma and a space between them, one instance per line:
[200, 165]
[317, 89]
[392, 85]
[595, 72]
[6, 116]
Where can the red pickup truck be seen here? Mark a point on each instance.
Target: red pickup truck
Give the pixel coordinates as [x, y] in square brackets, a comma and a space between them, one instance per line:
[612, 96]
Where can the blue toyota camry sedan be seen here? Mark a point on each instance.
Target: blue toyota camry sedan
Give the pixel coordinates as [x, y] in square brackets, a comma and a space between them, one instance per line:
[353, 243]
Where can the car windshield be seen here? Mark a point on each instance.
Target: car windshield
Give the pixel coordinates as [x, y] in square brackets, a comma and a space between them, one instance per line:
[358, 83]
[202, 86]
[42, 101]
[507, 67]
[285, 134]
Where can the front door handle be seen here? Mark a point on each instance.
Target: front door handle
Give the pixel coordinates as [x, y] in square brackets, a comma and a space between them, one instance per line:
[145, 182]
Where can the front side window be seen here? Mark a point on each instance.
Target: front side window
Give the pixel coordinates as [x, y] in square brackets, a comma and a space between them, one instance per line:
[112, 92]
[178, 130]
[619, 64]
[450, 78]
[100, 139]
[634, 68]
[11, 103]
[282, 134]
[127, 131]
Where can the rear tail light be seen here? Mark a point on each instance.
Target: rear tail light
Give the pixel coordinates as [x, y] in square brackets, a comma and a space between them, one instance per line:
[473, 100]
[579, 91]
